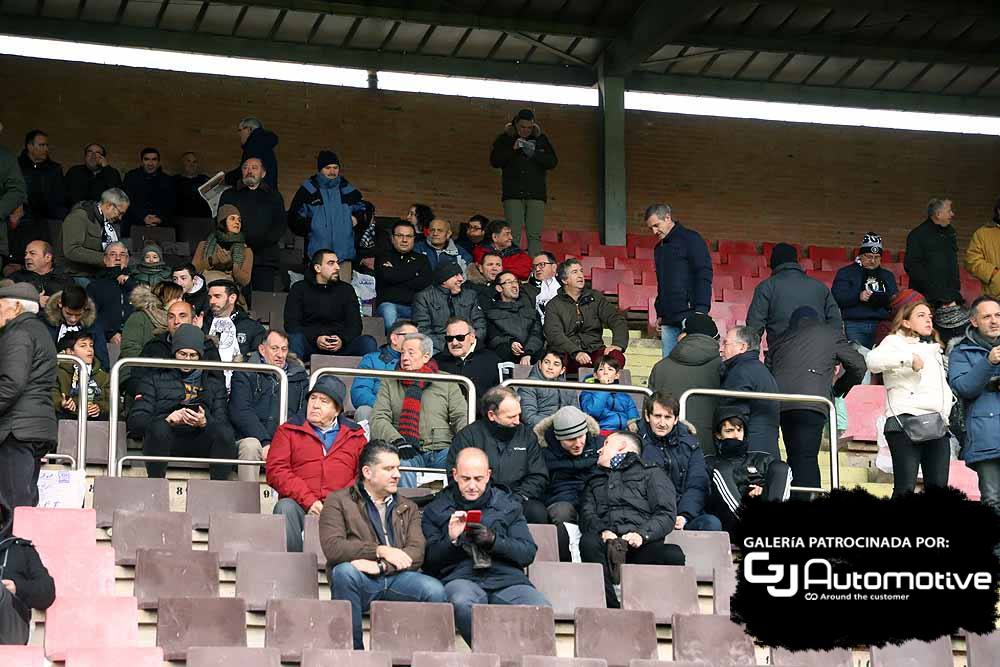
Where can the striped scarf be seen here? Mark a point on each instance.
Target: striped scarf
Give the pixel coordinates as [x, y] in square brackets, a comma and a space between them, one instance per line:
[409, 415]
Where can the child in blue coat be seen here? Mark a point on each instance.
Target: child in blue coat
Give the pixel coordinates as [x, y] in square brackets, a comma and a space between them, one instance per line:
[613, 410]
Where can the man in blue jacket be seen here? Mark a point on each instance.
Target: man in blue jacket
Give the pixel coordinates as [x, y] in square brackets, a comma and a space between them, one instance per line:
[364, 390]
[974, 374]
[253, 400]
[483, 562]
[683, 273]
[863, 290]
[670, 443]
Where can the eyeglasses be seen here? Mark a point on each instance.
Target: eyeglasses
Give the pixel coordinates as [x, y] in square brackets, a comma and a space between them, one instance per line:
[117, 210]
[404, 236]
[459, 337]
[541, 264]
[509, 282]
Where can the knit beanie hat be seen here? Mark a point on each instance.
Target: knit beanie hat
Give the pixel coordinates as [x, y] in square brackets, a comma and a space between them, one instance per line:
[151, 247]
[188, 337]
[331, 386]
[524, 114]
[951, 317]
[782, 253]
[446, 270]
[903, 298]
[225, 211]
[871, 243]
[569, 422]
[699, 323]
[326, 158]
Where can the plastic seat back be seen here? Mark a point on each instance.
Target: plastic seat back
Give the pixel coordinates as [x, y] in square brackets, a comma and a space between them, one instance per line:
[147, 656]
[616, 635]
[205, 496]
[374, 327]
[547, 539]
[914, 654]
[165, 573]
[662, 589]
[24, 656]
[297, 626]
[90, 622]
[609, 280]
[711, 638]
[263, 576]
[223, 656]
[231, 534]
[132, 531]
[327, 658]
[139, 494]
[839, 658]
[310, 543]
[865, 404]
[568, 585]
[434, 659]
[182, 623]
[82, 571]
[56, 528]
[983, 650]
[723, 589]
[704, 550]
[512, 631]
[552, 661]
[404, 627]
[97, 438]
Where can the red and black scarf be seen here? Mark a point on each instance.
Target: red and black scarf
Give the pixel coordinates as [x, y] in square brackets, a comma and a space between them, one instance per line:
[409, 416]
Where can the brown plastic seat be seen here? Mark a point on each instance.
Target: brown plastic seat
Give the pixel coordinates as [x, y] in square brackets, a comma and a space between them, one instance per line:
[983, 650]
[547, 539]
[374, 327]
[296, 626]
[97, 440]
[263, 576]
[164, 573]
[711, 638]
[82, 571]
[185, 622]
[512, 631]
[419, 492]
[451, 659]
[664, 590]
[914, 654]
[231, 534]
[723, 589]
[404, 627]
[703, 550]
[139, 494]
[223, 656]
[205, 496]
[328, 658]
[838, 658]
[667, 663]
[552, 661]
[147, 656]
[132, 531]
[311, 542]
[90, 622]
[616, 635]
[568, 586]
[269, 307]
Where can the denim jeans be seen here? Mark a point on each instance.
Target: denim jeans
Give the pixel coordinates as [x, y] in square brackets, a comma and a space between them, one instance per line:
[861, 332]
[989, 483]
[390, 312]
[305, 348]
[348, 583]
[431, 459]
[704, 522]
[668, 338]
[463, 593]
[295, 522]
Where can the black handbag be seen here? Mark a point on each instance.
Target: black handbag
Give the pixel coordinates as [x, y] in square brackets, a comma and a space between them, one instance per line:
[921, 428]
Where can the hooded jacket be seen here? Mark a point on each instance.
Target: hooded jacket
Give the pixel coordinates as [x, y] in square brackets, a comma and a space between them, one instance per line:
[316, 310]
[523, 177]
[932, 261]
[516, 464]
[637, 497]
[400, 282]
[513, 550]
[35, 587]
[54, 320]
[578, 326]
[567, 474]
[693, 364]
[450, 253]
[975, 380]
[982, 258]
[853, 278]
[262, 212]
[434, 305]
[683, 275]
[788, 288]
[745, 372]
[299, 468]
[681, 457]
[112, 299]
[45, 188]
[82, 184]
[148, 319]
[163, 391]
[253, 399]
[514, 321]
[612, 409]
[444, 412]
[149, 194]
[27, 375]
[364, 390]
[537, 403]
[249, 332]
[260, 144]
[321, 212]
[65, 373]
[83, 234]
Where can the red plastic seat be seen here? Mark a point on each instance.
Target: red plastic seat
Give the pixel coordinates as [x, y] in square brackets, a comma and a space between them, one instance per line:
[103, 657]
[705, 550]
[737, 247]
[182, 623]
[162, 573]
[725, 270]
[231, 534]
[56, 528]
[637, 266]
[445, 659]
[750, 282]
[723, 589]
[608, 280]
[649, 278]
[635, 297]
[137, 494]
[511, 631]
[722, 281]
[646, 240]
[827, 264]
[591, 263]
[971, 289]
[717, 257]
[643, 252]
[205, 496]
[825, 277]
[748, 265]
[819, 252]
[310, 541]
[90, 622]
[550, 236]
[552, 661]
[964, 478]
[662, 589]
[24, 656]
[737, 295]
[712, 639]
[607, 251]
[263, 576]
[651, 316]
[404, 627]
[82, 572]
[223, 656]
[865, 404]
[582, 239]
[132, 531]
[925, 654]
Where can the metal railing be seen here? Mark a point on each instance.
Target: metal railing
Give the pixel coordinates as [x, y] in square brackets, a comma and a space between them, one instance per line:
[80, 461]
[783, 398]
[114, 470]
[583, 386]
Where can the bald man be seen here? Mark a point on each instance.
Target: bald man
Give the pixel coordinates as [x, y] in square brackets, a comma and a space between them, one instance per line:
[479, 562]
[438, 246]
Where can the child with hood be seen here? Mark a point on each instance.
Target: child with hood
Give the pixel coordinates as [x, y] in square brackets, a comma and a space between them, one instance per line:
[152, 270]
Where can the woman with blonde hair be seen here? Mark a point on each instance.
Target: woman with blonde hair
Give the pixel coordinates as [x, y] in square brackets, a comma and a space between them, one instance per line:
[918, 398]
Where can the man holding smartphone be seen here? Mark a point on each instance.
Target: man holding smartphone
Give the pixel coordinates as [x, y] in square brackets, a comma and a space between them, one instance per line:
[182, 411]
[478, 542]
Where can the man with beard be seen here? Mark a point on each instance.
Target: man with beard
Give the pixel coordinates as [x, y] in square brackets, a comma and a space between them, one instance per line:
[238, 334]
[262, 213]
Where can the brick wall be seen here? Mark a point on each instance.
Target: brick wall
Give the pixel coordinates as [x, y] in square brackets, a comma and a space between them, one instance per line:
[736, 179]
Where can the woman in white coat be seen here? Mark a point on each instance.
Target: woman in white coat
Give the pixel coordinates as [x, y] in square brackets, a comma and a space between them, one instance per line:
[914, 370]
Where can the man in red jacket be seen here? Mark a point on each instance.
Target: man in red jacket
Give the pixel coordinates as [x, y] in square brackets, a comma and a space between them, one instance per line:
[501, 242]
[310, 459]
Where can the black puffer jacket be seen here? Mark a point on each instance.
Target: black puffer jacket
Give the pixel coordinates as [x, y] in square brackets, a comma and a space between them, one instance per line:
[27, 376]
[403, 278]
[162, 392]
[434, 305]
[567, 473]
[637, 497]
[35, 587]
[323, 310]
[932, 262]
[46, 188]
[510, 321]
[745, 372]
[517, 464]
[523, 176]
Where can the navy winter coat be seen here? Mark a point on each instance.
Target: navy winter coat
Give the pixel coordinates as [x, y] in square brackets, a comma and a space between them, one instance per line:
[847, 288]
[745, 372]
[681, 455]
[683, 275]
[970, 375]
[253, 399]
[568, 474]
[150, 194]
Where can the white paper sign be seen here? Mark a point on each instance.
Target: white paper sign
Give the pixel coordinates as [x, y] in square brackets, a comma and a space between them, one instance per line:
[62, 488]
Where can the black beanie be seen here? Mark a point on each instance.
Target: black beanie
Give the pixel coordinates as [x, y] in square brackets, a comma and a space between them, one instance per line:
[325, 158]
[446, 270]
[783, 253]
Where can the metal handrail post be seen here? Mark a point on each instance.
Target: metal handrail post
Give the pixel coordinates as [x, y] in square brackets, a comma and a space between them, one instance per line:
[784, 398]
[402, 375]
[177, 363]
[81, 408]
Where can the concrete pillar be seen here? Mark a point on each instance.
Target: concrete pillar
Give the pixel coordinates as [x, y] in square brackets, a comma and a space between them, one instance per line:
[613, 183]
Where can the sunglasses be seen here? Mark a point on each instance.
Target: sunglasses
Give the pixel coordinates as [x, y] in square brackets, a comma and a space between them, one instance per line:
[459, 337]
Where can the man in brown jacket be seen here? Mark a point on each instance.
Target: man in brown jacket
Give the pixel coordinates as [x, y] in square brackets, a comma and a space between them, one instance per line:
[373, 541]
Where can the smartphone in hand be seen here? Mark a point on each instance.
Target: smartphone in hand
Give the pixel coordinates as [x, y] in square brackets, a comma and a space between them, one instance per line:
[473, 516]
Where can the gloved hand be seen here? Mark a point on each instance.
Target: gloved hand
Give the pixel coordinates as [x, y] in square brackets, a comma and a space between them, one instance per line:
[480, 535]
[408, 448]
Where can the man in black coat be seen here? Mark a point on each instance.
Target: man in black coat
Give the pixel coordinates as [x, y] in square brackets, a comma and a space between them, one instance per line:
[483, 562]
[932, 255]
[259, 143]
[46, 193]
[86, 182]
[463, 355]
[183, 412]
[322, 313]
[39, 270]
[151, 193]
[262, 211]
[238, 333]
[448, 298]
[742, 371]
[514, 328]
[627, 509]
[515, 458]
[161, 347]
[26, 585]
[190, 203]
[27, 416]
[110, 290]
[399, 275]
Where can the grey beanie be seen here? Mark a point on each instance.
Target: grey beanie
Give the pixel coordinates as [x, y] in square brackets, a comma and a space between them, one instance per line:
[569, 422]
[188, 337]
[333, 387]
